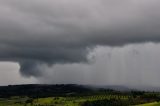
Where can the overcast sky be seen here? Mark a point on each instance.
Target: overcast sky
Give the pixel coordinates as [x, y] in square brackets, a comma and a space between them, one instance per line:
[102, 42]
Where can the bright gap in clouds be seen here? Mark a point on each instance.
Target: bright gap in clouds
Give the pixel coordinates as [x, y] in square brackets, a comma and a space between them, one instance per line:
[9, 74]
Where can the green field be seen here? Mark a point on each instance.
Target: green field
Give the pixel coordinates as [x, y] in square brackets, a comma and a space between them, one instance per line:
[150, 104]
[56, 101]
[63, 101]
[73, 95]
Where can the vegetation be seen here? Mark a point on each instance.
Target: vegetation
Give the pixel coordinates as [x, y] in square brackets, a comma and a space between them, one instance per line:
[73, 95]
[150, 104]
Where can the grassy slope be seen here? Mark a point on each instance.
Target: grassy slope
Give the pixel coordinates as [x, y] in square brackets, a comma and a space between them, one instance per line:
[150, 104]
[60, 101]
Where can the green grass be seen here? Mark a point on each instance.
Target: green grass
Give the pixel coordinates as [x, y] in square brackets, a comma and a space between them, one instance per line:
[150, 104]
[64, 101]
[57, 101]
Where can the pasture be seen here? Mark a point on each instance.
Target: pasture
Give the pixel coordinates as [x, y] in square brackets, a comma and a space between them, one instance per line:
[124, 100]
[150, 104]
[56, 101]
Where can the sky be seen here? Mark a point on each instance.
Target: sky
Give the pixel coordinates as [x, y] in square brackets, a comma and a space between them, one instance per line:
[98, 42]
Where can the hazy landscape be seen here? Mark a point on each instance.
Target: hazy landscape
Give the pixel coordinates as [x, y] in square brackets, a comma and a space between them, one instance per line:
[79, 53]
[74, 95]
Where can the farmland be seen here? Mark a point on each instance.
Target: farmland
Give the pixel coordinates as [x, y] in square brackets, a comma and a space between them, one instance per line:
[70, 101]
[150, 104]
[55, 101]
[73, 95]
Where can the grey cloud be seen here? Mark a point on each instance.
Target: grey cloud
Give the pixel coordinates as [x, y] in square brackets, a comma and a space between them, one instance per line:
[135, 66]
[54, 31]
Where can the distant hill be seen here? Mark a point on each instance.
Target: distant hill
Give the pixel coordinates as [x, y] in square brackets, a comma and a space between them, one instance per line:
[125, 88]
[44, 90]
[33, 90]
[115, 87]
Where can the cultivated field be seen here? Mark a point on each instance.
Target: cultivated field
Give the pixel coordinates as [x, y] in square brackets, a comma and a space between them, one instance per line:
[72, 101]
[73, 95]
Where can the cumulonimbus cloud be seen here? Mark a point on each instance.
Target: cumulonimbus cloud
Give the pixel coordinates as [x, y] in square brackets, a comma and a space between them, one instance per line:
[33, 32]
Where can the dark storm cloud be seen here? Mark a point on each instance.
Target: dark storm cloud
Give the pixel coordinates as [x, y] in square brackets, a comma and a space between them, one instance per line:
[34, 32]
